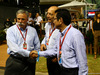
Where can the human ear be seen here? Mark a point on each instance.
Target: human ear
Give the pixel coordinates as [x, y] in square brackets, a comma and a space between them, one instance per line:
[61, 20]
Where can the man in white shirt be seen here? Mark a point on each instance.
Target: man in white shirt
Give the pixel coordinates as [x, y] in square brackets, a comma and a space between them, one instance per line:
[21, 40]
[49, 41]
[30, 20]
[69, 47]
[38, 21]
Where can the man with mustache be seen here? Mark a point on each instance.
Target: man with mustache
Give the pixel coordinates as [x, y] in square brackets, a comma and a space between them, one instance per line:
[21, 40]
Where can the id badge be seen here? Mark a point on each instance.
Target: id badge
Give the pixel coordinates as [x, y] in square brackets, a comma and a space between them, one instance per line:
[47, 42]
[59, 59]
[24, 45]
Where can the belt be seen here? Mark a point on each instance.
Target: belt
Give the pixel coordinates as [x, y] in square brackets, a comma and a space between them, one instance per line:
[22, 59]
[63, 68]
[19, 58]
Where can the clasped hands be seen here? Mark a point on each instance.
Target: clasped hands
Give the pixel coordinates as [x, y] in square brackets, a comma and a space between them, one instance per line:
[33, 54]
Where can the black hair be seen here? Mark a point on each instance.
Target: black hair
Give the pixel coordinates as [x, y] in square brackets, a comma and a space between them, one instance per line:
[97, 14]
[37, 12]
[64, 14]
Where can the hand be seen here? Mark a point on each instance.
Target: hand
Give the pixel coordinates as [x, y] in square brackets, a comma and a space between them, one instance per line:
[30, 21]
[54, 60]
[33, 54]
[43, 47]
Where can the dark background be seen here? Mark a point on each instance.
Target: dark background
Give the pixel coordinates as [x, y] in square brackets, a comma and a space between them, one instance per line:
[8, 9]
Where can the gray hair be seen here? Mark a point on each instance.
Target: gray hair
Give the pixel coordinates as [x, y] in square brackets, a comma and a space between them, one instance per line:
[21, 11]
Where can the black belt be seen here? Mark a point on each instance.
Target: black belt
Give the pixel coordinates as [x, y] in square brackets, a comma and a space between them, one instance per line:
[63, 68]
[19, 58]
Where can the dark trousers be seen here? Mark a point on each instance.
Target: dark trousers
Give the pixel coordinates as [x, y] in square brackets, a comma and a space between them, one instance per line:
[96, 37]
[37, 27]
[19, 66]
[53, 67]
[69, 71]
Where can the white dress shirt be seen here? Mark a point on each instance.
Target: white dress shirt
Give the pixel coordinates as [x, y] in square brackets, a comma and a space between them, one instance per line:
[15, 41]
[30, 19]
[73, 50]
[53, 37]
[38, 20]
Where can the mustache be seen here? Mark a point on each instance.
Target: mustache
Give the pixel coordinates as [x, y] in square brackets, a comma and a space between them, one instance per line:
[20, 23]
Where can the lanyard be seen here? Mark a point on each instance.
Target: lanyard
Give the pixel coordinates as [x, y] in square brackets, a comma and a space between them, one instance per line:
[50, 33]
[60, 44]
[22, 34]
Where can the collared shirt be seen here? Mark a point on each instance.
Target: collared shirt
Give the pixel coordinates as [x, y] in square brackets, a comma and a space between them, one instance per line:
[73, 50]
[48, 29]
[30, 19]
[15, 41]
[38, 20]
[89, 25]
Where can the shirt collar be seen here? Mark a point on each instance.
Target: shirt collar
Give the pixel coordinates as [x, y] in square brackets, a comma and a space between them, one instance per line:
[49, 23]
[22, 28]
[64, 31]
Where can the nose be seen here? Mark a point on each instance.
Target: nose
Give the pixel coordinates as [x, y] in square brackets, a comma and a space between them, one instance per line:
[48, 15]
[20, 20]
